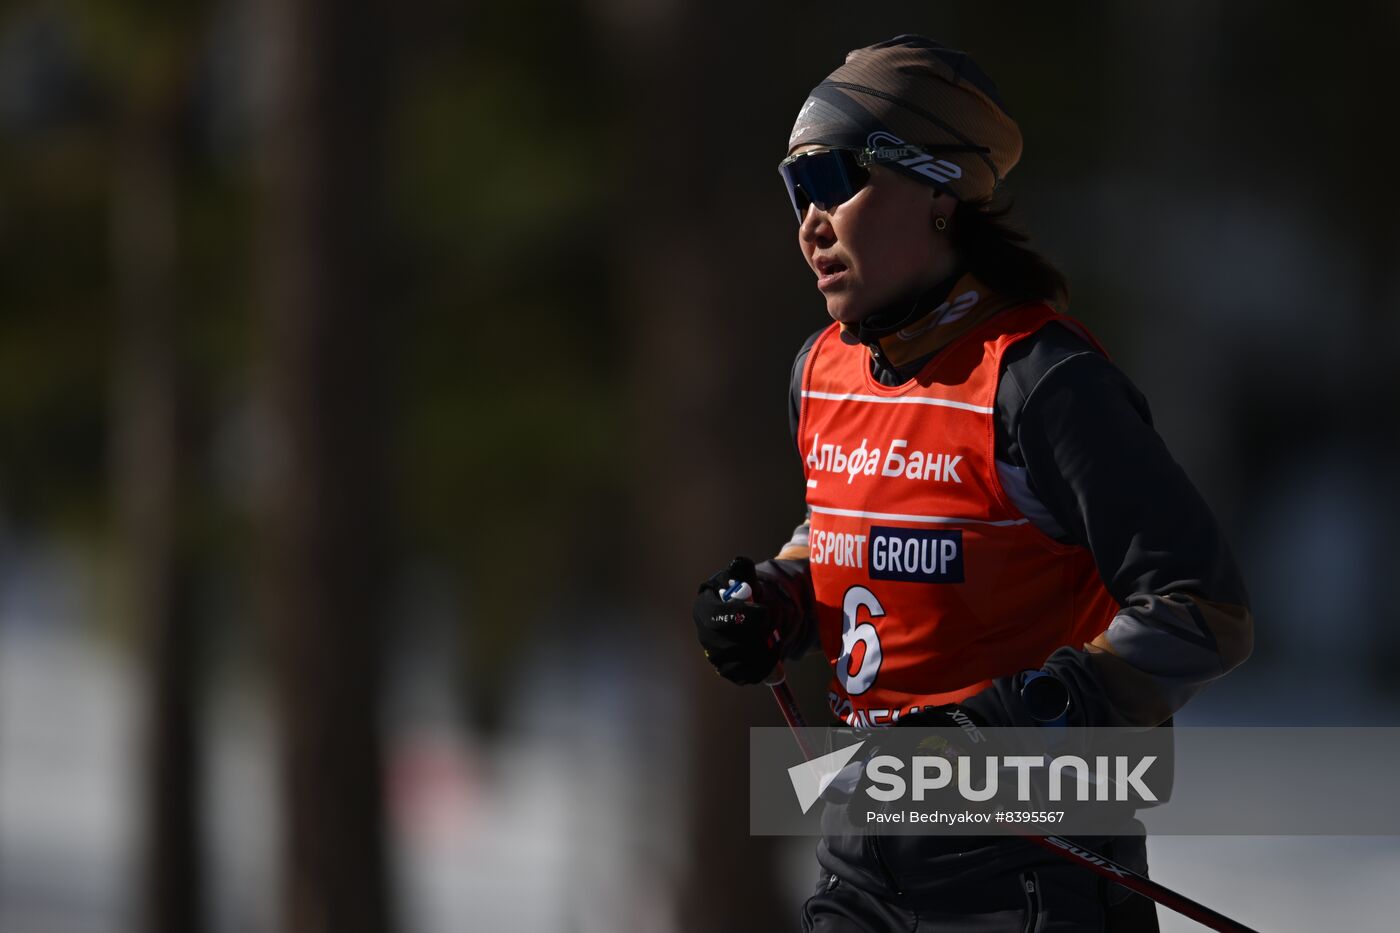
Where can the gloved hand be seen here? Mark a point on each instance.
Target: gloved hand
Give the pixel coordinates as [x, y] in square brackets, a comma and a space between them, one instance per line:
[947, 716]
[741, 639]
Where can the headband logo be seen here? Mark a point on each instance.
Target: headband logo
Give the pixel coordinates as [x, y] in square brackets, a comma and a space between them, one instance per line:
[940, 170]
[803, 123]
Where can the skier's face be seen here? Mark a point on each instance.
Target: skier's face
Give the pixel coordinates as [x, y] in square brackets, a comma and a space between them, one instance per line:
[878, 246]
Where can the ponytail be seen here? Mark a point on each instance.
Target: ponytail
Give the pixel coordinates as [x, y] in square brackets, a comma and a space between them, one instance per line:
[993, 249]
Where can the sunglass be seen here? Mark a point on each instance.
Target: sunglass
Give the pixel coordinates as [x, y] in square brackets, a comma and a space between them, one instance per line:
[828, 177]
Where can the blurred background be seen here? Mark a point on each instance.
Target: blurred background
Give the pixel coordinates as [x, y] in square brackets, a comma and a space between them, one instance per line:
[378, 380]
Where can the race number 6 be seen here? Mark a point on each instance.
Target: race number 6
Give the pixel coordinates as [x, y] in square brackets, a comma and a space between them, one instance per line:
[860, 643]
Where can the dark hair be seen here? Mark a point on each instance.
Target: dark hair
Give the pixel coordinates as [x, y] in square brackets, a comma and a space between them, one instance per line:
[993, 249]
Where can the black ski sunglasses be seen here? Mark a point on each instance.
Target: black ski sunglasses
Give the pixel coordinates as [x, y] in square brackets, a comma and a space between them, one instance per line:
[828, 177]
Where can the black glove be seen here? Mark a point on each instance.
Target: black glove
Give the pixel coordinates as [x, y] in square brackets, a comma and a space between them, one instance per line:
[740, 639]
[947, 716]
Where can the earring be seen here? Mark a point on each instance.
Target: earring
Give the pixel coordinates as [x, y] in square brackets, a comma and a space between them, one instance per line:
[940, 222]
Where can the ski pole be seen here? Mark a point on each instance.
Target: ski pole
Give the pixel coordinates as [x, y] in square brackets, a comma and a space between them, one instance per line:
[782, 693]
[1059, 845]
[1141, 884]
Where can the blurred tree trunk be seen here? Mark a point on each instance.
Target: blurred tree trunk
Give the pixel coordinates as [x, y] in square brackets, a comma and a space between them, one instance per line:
[682, 241]
[326, 559]
[150, 471]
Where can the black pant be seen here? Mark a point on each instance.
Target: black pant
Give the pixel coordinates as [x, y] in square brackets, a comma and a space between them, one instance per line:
[1045, 898]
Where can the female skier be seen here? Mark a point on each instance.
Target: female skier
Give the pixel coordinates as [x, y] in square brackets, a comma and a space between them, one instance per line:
[988, 503]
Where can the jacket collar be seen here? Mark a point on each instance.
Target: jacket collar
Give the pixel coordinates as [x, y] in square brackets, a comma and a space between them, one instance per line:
[964, 304]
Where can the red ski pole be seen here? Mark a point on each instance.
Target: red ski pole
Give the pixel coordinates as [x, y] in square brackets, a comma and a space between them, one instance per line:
[782, 693]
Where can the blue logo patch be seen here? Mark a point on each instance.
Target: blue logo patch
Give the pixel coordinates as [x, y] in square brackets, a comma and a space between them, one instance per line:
[915, 555]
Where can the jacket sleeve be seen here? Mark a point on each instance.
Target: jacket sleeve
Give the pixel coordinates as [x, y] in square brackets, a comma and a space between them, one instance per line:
[787, 581]
[788, 576]
[1096, 462]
